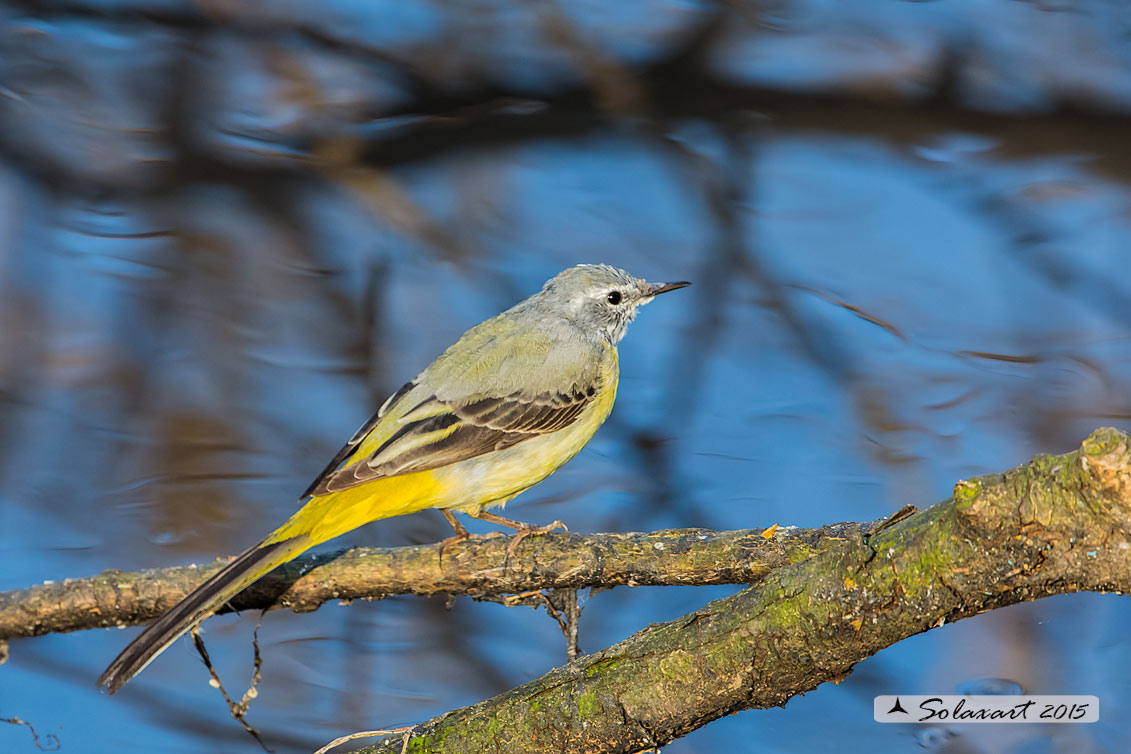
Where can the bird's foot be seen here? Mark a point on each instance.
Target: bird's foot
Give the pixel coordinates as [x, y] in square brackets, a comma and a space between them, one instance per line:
[525, 531]
[461, 534]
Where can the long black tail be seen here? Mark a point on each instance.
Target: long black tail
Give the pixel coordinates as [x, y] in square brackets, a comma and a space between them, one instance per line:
[198, 605]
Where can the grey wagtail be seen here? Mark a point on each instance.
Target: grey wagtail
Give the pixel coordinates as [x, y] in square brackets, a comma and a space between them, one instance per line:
[512, 400]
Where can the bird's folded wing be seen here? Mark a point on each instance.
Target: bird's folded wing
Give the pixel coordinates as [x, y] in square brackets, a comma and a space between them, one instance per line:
[436, 433]
[358, 436]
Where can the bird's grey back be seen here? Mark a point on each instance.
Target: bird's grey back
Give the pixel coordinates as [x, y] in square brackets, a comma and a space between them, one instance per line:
[551, 339]
[514, 352]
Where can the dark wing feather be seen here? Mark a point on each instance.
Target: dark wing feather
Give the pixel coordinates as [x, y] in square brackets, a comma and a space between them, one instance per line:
[462, 430]
[358, 436]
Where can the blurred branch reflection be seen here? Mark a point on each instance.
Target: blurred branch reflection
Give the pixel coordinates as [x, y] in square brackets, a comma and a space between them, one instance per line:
[229, 229]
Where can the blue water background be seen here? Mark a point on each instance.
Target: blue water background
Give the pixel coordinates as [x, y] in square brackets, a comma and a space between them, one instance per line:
[220, 250]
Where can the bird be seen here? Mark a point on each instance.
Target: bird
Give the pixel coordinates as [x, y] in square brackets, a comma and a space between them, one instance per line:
[501, 409]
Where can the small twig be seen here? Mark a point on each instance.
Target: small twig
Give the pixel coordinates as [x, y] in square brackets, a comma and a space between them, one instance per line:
[555, 614]
[237, 709]
[533, 598]
[894, 519]
[564, 601]
[561, 604]
[406, 731]
[53, 743]
[573, 618]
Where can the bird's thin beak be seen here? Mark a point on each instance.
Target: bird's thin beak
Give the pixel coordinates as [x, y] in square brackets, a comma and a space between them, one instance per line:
[655, 289]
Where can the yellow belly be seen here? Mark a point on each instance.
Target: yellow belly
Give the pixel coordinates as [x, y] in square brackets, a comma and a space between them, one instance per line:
[494, 478]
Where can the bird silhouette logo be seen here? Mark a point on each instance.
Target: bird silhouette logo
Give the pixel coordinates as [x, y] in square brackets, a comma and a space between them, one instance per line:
[897, 707]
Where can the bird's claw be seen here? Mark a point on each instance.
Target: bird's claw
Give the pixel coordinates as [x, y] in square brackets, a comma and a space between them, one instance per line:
[526, 531]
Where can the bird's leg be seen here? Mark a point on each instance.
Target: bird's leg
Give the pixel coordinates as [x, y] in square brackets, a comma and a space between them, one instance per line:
[524, 530]
[461, 531]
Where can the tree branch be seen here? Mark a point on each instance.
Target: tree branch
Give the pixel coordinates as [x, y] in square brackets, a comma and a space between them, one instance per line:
[1058, 524]
[476, 567]
[839, 594]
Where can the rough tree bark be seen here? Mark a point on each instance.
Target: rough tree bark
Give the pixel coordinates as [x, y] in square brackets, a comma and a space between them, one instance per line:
[1058, 524]
[834, 596]
[478, 567]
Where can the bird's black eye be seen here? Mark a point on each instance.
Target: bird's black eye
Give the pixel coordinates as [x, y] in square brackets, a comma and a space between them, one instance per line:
[613, 298]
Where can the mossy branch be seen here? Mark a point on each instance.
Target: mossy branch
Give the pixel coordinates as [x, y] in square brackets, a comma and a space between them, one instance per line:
[478, 567]
[827, 598]
[1058, 524]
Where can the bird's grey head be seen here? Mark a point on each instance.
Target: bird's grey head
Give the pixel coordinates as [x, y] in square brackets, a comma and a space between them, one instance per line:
[597, 298]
